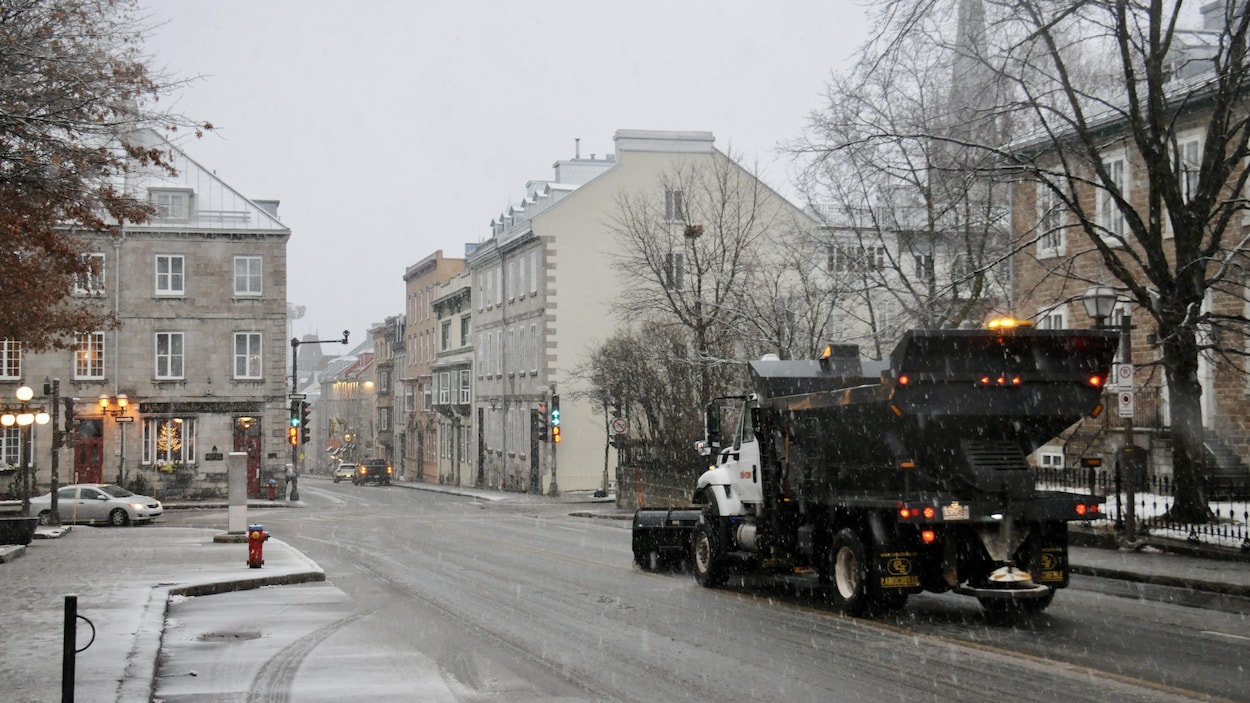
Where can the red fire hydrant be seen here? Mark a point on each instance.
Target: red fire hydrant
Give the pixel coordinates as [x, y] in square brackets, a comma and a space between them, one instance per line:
[273, 489]
[256, 537]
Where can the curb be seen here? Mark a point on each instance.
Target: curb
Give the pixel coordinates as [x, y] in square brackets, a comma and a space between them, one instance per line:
[138, 685]
[1222, 588]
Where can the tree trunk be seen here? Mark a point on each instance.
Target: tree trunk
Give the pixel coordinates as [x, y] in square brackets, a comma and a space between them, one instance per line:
[1185, 401]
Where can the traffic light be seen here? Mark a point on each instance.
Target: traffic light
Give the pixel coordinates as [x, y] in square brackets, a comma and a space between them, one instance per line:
[295, 413]
[538, 424]
[293, 435]
[555, 411]
[555, 434]
[304, 425]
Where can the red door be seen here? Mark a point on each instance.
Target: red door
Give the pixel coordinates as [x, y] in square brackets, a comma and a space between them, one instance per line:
[88, 452]
[247, 439]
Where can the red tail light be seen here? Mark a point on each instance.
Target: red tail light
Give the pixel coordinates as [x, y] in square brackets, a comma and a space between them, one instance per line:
[1097, 381]
[928, 536]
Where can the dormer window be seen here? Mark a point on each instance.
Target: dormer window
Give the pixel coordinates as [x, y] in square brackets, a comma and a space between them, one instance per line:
[170, 203]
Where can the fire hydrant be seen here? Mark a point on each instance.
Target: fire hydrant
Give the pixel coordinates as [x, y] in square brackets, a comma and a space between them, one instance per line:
[273, 489]
[256, 537]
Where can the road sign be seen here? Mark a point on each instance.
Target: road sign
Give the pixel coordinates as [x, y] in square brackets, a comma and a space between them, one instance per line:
[297, 396]
[1126, 403]
[620, 425]
[124, 419]
[1124, 376]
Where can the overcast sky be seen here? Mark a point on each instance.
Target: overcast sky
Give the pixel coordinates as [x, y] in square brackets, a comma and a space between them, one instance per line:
[389, 130]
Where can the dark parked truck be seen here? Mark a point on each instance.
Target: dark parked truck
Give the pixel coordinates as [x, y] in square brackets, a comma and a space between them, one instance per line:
[373, 471]
[891, 478]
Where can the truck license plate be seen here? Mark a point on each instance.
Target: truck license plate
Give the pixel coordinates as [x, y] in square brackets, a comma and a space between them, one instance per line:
[954, 511]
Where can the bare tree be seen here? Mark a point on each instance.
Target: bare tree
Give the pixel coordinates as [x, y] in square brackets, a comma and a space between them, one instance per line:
[690, 251]
[916, 231]
[75, 88]
[1137, 129]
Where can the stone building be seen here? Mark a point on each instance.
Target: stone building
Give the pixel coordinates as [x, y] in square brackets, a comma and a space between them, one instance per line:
[198, 366]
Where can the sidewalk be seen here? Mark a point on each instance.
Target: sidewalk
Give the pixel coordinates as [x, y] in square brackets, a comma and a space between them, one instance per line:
[124, 588]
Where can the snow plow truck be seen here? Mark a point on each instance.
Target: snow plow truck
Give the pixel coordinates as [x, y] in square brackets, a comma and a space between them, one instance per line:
[888, 478]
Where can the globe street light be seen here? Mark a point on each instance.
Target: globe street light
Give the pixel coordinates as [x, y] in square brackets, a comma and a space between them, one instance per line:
[24, 417]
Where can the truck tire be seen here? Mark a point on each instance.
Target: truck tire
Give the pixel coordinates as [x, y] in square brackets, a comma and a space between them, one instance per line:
[707, 551]
[848, 568]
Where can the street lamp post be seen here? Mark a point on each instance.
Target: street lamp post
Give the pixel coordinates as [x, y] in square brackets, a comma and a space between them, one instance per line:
[117, 406]
[24, 416]
[1099, 304]
[295, 342]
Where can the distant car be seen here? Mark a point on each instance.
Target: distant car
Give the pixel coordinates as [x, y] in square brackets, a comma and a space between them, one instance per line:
[374, 471]
[97, 503]
[345, 471]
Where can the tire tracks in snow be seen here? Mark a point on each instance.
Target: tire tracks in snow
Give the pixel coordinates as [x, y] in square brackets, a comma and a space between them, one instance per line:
[273, 683]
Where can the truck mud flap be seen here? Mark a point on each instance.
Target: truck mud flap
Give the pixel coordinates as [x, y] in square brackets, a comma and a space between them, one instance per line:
[664, 531]
[899, 570]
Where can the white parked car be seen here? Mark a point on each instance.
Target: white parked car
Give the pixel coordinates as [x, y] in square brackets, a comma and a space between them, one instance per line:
[97, 503]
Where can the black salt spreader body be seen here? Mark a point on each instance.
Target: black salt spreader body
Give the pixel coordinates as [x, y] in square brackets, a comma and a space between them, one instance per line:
[891, 478]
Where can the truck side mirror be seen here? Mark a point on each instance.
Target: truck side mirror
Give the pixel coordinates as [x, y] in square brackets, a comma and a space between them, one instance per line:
[711, 425]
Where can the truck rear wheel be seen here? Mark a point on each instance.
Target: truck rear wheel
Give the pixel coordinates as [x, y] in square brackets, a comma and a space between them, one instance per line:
[707, 550]
[849, 572]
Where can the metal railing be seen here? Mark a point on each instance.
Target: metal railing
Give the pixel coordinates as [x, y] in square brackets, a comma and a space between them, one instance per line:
[1228, 526]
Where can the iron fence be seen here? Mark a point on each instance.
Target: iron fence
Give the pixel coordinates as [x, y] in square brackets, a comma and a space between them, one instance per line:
[1152, 501]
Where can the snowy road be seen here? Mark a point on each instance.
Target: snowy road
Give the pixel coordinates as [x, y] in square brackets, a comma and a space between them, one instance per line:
[440, 598]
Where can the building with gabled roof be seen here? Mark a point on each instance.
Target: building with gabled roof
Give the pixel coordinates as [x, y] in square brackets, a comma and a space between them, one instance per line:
[200, 355]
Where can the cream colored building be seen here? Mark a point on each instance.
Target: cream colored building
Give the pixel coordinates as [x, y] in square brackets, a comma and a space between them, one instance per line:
[200, 356]
[543, 295]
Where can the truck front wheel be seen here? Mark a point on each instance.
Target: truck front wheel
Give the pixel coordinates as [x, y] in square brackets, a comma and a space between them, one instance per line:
[708, 552]
[849, 571]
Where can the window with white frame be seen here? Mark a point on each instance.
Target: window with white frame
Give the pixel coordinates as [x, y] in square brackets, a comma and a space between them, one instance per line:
[481, 292]
[511, 281]
[410, 399]
[445, 338]
[499, 353]
[1188, 161]
[427, 397]
[384, 419]
[465, 386]
[89, 356]
[1110, 217]
[170, 278]
[522, 353]
[444, 387]
[1049, 459]
[512, 357]
[1053, 319]
[247, 355]
[674, 271]
[465, 326]
[534, 344]
[91, 281]
[674, 205]
[1050, 235]
[169, 440]
[169, 355]
[520, 287]
[171, 204]
[11, 445]
[534, 272]
[499, 285]
[10, 359]
[247, 275]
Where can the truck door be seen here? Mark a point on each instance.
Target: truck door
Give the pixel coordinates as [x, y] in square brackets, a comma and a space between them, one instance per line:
[743, 460]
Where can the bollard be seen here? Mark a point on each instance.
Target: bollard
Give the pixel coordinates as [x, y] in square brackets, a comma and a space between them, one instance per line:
[256, 537]
[69, 646]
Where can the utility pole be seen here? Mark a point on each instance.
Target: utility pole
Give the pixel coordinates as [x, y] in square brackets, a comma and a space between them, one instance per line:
[295, 343]
[54, 389]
